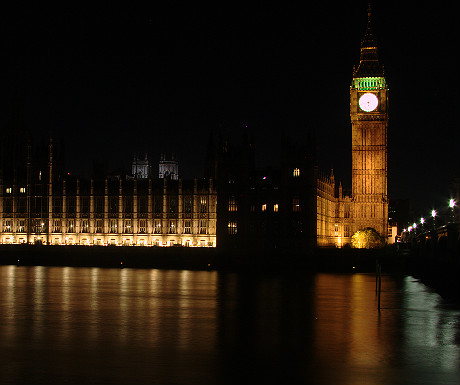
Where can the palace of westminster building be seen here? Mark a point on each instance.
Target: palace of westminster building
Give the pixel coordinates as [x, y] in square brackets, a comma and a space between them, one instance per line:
[235, 205]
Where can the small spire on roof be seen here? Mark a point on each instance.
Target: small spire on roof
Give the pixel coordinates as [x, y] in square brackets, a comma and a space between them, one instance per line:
[368, 40]
[369, 64]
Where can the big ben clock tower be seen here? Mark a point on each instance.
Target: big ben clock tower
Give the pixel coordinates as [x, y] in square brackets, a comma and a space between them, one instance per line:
[369, 120]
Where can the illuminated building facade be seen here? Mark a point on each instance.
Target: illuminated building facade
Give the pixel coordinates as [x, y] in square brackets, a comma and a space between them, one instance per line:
[236, 206]
[141, 168]
[168, 168]
[369, 120]
[339, 216]
[334, 219]
[46, 207]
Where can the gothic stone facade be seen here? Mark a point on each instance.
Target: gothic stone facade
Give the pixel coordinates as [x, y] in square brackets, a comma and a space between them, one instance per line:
[339, 217]
[45, 207]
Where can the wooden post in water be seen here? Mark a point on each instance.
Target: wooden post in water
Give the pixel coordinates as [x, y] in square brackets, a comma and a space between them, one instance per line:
[376, 275]
[379, 279]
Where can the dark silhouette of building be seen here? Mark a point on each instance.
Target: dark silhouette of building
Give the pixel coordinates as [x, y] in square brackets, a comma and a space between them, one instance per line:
[264, 208]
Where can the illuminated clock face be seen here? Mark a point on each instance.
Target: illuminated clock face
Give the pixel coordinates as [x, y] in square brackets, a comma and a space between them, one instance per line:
[368, 102]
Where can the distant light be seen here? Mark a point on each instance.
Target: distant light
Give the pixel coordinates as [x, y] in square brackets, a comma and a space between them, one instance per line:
[433, 213]
[264, 178]
[422, 220]
[452, 203]
[414, 225]
[409, 229]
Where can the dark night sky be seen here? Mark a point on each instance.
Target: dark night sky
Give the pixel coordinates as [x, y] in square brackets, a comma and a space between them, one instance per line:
[111, 82]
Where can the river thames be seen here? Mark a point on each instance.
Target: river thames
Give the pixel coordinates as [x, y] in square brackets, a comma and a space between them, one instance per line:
[67, 325]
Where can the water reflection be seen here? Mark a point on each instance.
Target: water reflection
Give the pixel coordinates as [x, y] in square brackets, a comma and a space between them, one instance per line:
[437, 330]
[92, 325]
[350, 334]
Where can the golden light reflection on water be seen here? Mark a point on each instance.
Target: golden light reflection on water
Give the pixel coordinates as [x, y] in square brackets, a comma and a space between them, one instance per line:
[132, 326]
[38, 301]
[9, 312]
[355, 338]
[349, 331]
[85, 300]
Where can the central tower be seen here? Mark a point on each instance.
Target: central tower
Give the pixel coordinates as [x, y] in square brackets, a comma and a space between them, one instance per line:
[369, 121]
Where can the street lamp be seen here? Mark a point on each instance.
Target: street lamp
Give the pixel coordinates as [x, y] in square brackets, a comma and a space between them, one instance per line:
[452, 205]
[433, 214]
[404, 235]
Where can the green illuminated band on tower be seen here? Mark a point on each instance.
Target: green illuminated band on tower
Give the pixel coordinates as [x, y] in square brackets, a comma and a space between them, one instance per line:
[370, 83]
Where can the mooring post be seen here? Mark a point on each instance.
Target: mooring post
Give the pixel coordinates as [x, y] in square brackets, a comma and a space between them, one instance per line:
[376, 274]
[379, 269]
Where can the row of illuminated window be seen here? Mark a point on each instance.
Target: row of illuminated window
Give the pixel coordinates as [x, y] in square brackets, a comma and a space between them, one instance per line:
[40, 225]
[40, 204]
[264, 207]
[232, 227]
[9, 190]
[233, 207]
[295, 174]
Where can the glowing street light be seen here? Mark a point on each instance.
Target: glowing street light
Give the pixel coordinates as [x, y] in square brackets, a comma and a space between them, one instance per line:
[452, 205]
[414, 226]
[422, 220]
[433, 214]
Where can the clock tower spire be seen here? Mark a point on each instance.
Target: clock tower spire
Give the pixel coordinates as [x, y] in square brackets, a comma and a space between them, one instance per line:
[369, 64]
[369, 120]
